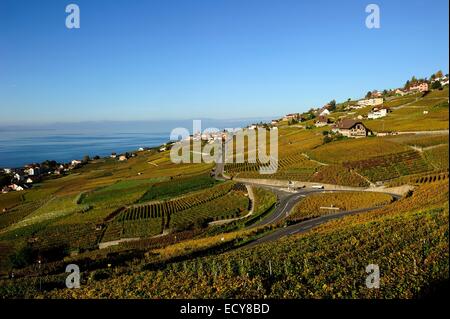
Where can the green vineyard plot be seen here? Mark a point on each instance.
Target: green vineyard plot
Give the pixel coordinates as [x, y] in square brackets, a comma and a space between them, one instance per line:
[224, 201]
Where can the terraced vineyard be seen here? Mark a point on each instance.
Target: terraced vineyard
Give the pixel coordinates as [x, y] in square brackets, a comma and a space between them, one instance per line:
[227, 200]
[408, 242]
[159, 209]
[232, 205]
[326, 203]
[357, 149]
[432, 178]
[68, 237]
[167, 210]
[380, 168]
[177, 186]
[291, 166]
[420, 140]
[438, 156]
[18, 213]
[338, 175]
[418, 179]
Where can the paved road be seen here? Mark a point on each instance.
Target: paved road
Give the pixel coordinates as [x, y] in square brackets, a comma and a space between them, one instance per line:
[303, 227]
[286, 200]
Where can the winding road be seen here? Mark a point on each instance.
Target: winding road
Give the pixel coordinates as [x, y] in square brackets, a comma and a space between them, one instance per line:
[286, 200]
[304, 226]
[284, 206]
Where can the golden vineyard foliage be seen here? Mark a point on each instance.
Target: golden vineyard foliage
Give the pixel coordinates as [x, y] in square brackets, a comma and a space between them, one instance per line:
[322, 204]
[339, 175]
[188, 231]
[264, 199]
[407, 242]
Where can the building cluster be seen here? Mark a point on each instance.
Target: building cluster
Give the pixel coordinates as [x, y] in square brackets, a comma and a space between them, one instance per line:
[351, 128]
[342, 124]
[24, 177]
[209, 136]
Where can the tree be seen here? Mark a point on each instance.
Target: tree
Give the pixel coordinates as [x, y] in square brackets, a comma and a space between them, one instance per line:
[86, 159]
[327, 139]
[369, 95]
[407, 84]
[49, 164]
[332, 105]
[4, 180]
[436, 85]
[439, 74]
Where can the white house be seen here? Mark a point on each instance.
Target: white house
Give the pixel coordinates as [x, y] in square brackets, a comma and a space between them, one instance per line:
[75, 162]
[377, 113]
[325, 112]
[32, 171]
[443, 80]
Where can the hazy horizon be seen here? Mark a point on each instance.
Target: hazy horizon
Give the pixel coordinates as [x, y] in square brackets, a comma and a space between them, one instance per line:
[24, 144]
[119, 123]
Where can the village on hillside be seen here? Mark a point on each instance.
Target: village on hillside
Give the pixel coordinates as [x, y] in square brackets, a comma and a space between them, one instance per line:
[23, 178]
[351, 114]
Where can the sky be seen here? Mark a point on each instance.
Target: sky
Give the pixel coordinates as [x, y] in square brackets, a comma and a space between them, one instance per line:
[168, 59]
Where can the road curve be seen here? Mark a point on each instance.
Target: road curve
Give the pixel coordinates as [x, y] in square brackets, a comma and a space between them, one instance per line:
[286, 201]
[305, 226]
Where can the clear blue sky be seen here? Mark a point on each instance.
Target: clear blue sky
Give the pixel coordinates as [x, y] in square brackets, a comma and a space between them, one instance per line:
[207, 58]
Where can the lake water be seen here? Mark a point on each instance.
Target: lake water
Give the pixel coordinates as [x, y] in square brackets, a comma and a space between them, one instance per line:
[20, 145]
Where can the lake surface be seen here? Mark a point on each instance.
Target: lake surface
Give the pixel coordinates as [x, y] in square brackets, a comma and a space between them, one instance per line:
[20, 145]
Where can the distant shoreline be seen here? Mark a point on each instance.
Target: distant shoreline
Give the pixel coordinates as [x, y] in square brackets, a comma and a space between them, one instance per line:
[65, 142]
